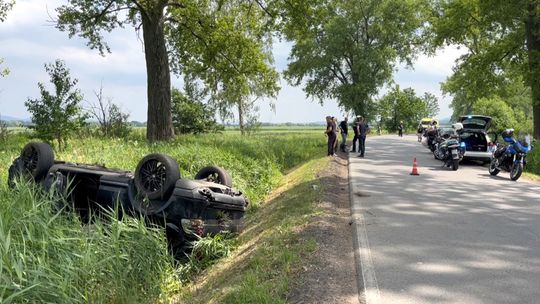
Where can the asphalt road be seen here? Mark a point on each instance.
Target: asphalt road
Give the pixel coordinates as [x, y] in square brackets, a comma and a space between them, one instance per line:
[444, 236]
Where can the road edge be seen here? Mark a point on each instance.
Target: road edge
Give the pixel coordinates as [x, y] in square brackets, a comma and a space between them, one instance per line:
[368, 289]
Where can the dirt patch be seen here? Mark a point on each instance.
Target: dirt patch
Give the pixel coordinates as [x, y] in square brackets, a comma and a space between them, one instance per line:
[328, 275]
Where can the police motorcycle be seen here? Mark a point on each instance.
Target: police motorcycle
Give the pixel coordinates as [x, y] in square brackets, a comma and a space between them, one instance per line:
[448, 148]
[510, 157]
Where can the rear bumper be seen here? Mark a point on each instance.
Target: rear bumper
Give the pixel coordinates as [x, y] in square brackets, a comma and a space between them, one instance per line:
[474, 155]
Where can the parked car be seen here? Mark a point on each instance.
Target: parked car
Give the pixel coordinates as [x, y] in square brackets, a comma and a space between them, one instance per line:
[476, 138]
[185, 208]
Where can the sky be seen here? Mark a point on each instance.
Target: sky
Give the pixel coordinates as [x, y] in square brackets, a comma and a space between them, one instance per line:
[28, 40]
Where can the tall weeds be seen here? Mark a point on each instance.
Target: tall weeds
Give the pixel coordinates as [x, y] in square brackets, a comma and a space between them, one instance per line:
[51, 257]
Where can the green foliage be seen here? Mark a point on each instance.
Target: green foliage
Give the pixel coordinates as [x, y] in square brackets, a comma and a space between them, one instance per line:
[348, 50]
[502, 114]
[503, 43]
[224, 44]
[205, 252]
[50, 257]
[533, 159]
[404, 105]
[230, 53]
[191, 115]
[57, 115]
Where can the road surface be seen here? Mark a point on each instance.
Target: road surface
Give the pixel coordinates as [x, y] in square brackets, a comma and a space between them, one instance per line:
[444, 236]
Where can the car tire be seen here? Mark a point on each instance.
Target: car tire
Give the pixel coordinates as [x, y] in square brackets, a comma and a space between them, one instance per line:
[493, 170]
[156, 175]
[36, 160]
[215, 174]
[517, 170]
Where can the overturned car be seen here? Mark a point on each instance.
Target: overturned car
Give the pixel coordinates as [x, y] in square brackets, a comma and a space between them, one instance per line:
[186, 208]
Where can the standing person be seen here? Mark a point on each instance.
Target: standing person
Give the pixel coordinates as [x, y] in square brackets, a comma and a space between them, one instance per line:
[363, 129]
[331, 133]
[336, 142]
[355, 130]
[344, 128]
[400, 128]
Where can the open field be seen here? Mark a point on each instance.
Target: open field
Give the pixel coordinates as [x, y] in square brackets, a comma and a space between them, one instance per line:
[42, 251]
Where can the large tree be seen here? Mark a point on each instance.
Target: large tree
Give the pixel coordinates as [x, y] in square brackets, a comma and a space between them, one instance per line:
[502, 39]
[347, 50]
[242, 71]
[164, 23]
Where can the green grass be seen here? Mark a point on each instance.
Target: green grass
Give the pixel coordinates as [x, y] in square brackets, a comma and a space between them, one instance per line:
[52, 257]
[270, 251]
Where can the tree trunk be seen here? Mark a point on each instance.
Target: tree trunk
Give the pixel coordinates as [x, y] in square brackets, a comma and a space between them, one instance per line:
[533, 51]
[241, 118]
[159, 125]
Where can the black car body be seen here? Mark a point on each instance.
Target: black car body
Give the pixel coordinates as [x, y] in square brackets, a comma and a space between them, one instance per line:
[475, 136]
[186, 208]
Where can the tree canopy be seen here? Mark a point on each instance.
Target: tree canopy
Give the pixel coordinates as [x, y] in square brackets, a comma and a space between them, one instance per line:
[405, 106]
[210, 37]
[347, 50]
[502, 39]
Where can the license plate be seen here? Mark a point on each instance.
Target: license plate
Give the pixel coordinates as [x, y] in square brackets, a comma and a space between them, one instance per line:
[455, 154]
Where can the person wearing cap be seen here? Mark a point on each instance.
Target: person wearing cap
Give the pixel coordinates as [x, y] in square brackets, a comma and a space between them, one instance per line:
[331, 133]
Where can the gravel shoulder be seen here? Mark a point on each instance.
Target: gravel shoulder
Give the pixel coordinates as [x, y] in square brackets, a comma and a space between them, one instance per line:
[328, 275]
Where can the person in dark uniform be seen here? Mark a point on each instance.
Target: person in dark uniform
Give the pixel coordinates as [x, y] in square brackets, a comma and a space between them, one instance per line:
[363, 129]
[400, 129]
[331, 133]
[344, 128]
[355, 130]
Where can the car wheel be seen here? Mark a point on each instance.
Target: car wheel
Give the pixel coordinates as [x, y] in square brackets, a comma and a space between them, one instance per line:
[36, 160]
[517, 170]
[156, 175]
[493, 170]
[215, 174]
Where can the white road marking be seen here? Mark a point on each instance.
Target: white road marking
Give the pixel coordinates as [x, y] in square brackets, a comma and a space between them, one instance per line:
[369, 293]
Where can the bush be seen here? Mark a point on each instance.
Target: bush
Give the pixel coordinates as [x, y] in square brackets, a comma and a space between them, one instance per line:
[533, 159]
[192, 116]
[57, 116]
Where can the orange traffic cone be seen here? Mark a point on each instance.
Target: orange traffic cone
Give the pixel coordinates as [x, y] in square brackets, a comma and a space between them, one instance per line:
[414, 168]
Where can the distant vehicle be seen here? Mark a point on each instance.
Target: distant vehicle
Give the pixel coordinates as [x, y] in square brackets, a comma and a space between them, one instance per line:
[185, 208]
[425, 122]
[476, 138]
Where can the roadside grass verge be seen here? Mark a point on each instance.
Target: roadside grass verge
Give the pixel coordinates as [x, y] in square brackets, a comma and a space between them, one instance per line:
[52, 257]
[269, 250]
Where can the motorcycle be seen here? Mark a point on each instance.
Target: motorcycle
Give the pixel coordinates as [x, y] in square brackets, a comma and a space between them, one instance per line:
[512, 157]
[431, 136]
[450, 151]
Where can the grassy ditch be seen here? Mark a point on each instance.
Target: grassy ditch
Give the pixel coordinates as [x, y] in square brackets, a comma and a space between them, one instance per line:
[269, 250]
[51, 257]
